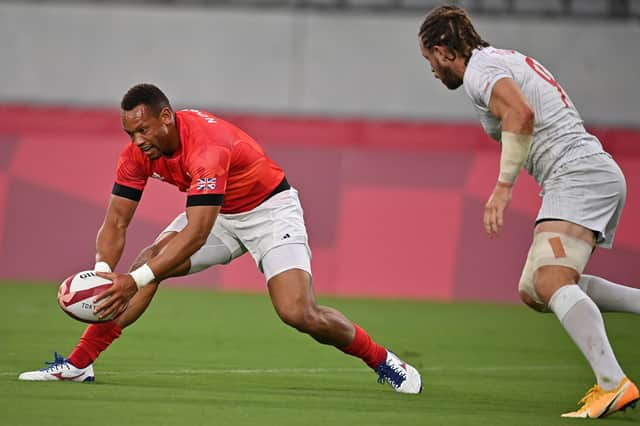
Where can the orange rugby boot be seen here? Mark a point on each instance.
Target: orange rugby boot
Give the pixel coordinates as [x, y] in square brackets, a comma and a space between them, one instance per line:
[600, 403]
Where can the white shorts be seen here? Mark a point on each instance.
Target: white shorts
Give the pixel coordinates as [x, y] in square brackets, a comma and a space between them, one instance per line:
[273, 232]
[590, 192]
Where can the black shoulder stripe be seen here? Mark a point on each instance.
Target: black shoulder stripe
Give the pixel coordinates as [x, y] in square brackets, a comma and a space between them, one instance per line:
[126, 192]
[205, 200]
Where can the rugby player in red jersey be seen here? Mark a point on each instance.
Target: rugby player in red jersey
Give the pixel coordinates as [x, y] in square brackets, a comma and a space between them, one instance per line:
[238, 200]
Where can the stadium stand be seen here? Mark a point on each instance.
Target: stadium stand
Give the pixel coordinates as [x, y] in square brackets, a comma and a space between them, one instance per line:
[600, 9]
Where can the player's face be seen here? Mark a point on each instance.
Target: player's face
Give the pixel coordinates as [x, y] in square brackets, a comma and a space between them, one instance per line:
[441, 65]
[148, 131]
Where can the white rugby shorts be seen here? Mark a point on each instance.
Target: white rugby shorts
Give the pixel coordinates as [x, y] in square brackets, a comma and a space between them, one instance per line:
[589, 191]
[275, 227]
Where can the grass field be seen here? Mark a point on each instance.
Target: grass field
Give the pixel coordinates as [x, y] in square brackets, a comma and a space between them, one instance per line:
[206, 358]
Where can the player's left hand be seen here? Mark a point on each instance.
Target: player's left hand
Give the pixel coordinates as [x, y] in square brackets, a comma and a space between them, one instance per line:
[116, 298]
[495, 208]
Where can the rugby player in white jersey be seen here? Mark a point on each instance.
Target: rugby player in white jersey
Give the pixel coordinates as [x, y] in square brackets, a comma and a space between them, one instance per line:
[523, 107]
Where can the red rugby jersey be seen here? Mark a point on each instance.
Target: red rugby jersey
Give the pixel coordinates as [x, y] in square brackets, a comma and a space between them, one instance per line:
[216, 164]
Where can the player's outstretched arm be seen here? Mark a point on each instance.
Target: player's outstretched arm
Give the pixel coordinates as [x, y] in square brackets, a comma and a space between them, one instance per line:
[111, 236]
[200, 220]
[511, 107]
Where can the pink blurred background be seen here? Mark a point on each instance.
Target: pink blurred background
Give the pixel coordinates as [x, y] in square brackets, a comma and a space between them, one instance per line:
[393, 208]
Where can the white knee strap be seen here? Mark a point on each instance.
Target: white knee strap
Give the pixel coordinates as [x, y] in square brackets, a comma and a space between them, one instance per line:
[553, 249]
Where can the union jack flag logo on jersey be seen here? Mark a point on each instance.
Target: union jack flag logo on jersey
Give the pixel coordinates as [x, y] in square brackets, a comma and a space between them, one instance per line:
[206, 184]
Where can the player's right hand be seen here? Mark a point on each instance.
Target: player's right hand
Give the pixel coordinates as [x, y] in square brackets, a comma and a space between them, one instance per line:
[115, 299]
[495, 208]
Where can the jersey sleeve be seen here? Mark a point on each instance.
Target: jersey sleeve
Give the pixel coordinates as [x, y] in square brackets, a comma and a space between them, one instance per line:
[482, 76]
[209, 170]
[131, 176]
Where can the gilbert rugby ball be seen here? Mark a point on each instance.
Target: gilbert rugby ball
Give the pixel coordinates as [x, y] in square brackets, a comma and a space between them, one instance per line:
[76, 294]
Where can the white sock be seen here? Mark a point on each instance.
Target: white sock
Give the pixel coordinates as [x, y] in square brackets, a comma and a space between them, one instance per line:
[580, 316]
[610, 297]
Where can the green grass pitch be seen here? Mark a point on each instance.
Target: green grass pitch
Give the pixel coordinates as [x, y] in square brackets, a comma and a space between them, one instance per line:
[201, 357]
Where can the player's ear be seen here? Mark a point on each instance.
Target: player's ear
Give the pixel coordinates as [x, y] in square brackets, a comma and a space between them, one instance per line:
[166, 115]
[444, 53]
[449, 54]
[438, 51]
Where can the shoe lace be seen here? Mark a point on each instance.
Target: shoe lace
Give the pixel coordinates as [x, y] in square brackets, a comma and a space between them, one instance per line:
[58, 362]
[591, 394]
[392, 374]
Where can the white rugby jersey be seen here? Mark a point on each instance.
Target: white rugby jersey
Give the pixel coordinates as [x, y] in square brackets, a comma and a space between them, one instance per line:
[559, 135]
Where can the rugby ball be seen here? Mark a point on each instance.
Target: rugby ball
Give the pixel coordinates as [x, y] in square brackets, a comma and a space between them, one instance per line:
[76, 294]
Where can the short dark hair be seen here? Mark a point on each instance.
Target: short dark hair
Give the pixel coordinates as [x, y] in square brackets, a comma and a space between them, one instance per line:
[450, 26]
[145, 94]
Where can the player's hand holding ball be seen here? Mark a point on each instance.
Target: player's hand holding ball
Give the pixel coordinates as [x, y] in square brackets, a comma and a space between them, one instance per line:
[77, 294]
[114, 300]
[96, 295]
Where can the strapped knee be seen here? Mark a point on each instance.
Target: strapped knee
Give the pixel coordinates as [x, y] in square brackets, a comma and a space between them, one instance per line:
[552, 249]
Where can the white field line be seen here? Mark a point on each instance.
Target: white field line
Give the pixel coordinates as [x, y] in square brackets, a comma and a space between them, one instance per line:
[188, 372]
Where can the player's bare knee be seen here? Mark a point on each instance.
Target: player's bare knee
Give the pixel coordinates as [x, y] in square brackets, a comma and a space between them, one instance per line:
[548, 279]
[543, 284]
[290, 315]
[302, 318]
[144, 256]
[153, 250]
[532, 303]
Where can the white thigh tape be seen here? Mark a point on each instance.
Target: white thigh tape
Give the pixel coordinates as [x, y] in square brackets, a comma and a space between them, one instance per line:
[548, 249]
[552, 248]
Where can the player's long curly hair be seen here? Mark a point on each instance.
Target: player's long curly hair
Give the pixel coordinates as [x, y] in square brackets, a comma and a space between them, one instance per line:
[451, 27]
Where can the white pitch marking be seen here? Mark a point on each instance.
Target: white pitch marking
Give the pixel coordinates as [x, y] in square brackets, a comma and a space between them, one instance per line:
[317, 370]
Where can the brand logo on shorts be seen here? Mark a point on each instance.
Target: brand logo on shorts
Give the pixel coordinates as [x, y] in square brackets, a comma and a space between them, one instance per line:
[156, 175]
